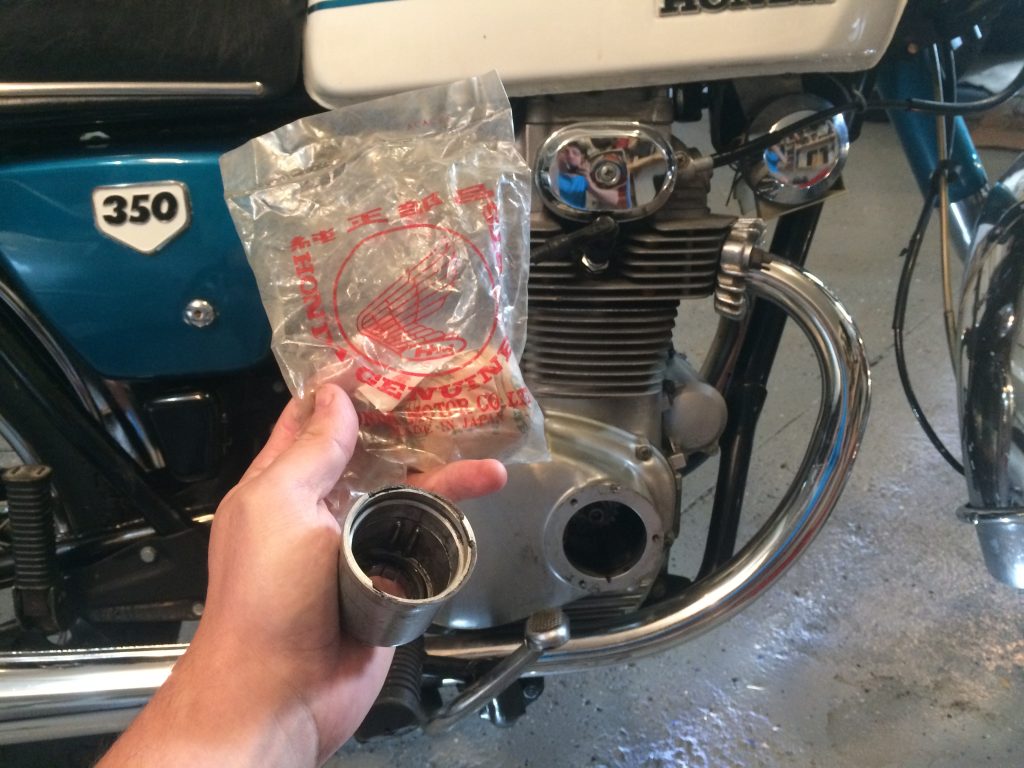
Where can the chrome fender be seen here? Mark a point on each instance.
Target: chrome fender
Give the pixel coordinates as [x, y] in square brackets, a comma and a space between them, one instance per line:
[990, 379]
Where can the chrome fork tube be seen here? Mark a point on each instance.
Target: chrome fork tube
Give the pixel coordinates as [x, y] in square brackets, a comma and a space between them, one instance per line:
[991, 379]
[61, 693]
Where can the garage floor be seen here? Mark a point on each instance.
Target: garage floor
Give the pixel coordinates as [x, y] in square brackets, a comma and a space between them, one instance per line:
[887, 644]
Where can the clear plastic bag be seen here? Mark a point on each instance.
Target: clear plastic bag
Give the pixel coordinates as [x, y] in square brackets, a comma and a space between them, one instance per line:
[390, 242]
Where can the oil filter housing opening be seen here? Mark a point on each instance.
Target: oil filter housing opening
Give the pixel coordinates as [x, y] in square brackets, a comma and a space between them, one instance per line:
[604, 539]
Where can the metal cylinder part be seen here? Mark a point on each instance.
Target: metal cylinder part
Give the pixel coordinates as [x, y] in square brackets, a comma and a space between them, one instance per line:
[421, 543]
[990, 333]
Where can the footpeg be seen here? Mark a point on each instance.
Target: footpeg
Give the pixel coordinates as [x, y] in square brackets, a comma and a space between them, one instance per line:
[399, 705]
[39, 599]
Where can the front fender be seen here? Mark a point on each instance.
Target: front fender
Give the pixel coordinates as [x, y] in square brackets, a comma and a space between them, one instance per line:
[991, 379]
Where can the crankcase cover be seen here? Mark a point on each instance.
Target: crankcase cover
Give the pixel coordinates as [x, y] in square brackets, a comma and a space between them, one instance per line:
[595, 522]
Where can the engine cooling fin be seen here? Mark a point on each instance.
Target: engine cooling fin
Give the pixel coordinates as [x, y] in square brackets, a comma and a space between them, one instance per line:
[594, 610]
[607, 334]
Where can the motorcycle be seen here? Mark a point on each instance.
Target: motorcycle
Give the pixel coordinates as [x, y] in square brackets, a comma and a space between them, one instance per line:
[136, 381]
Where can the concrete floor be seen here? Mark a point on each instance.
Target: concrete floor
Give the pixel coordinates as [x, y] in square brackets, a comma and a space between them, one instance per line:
[887, 644]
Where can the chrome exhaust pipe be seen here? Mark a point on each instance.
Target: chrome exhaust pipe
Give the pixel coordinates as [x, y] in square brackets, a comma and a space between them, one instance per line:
[990, 376]
[52, 694]
[59, 694]
[810, 498]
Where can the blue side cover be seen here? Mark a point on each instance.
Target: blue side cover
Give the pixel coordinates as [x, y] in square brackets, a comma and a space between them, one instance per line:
[119, 309]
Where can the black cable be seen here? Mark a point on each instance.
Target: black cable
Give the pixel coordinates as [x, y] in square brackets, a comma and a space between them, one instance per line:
[859, 104]
[951, 109]
[762, 143]
[949, 70]
[899, 316]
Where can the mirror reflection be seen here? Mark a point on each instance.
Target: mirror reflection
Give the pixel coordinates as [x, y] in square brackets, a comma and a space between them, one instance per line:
[801, 167]
[806, 157]
[624, 174]
[588, 168]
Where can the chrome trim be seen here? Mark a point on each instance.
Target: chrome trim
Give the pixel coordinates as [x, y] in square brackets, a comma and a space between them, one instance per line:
[1001, 535]
[137, 443]
[17, 443]
[730, 286]
[991, 370]
[128, 89]
[67, 685]
[120, 537]
[583, 135]
[990, 373]
[35, 326]
[199, 313]
[545, 630]
[77, 686]
[964, 216]
[92, 394]
[829, 143]
[723, 351]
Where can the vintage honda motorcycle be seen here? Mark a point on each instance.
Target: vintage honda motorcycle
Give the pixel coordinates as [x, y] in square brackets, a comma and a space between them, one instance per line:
[136, 381]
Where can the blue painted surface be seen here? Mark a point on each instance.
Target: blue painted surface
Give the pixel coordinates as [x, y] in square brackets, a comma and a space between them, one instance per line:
[909, 78]
[327, 5]
[119, 309]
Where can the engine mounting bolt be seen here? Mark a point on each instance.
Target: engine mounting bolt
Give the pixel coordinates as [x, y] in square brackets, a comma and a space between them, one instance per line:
[595, 265]
[147, 554]
[197, 609]
[644, 452]
[532, 688]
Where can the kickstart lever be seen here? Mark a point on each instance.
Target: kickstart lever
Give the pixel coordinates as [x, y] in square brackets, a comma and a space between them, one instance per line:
[545, 631]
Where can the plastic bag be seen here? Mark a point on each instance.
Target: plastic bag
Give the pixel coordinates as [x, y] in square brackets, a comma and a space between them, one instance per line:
[390, 243]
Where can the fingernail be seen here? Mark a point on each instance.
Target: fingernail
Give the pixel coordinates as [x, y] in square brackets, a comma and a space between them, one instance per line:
[324, 397]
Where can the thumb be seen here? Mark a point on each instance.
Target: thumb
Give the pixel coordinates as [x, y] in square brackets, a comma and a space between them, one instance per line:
[322, 449]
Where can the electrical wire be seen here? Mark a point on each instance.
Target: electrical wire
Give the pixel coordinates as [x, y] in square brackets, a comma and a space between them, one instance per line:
[952, 109]
[945, 128]
[950, 95]
[859, 104]
[910, 255]
[762, 143]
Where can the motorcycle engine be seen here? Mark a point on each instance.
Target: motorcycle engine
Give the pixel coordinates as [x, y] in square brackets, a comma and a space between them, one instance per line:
[591, 529]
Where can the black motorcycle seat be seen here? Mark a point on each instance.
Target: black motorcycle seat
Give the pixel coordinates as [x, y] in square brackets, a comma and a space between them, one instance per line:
[57, 43]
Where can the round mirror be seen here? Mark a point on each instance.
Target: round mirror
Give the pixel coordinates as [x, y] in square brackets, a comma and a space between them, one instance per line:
[803, 166]
[622, 169]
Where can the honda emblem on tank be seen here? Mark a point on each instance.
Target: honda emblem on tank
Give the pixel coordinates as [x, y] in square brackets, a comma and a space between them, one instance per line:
[677, 7]
[145, 216]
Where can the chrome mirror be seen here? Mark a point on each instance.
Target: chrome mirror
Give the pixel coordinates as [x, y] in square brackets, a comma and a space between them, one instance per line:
[801, 167]
[622, 169]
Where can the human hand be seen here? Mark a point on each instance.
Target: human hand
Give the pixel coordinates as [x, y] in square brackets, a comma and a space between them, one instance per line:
[269, 652]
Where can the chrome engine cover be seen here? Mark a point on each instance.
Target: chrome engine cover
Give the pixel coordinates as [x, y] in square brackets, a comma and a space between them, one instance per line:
[522, 566]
